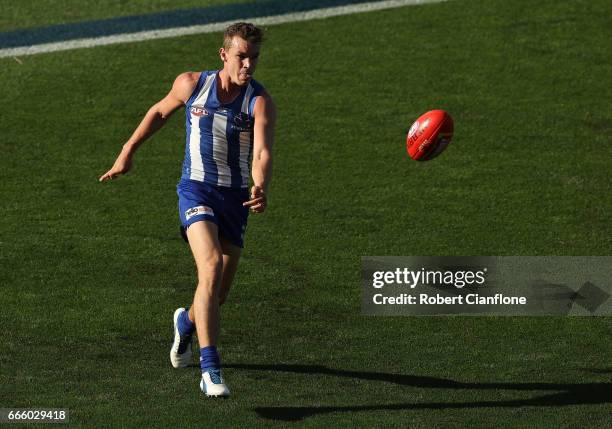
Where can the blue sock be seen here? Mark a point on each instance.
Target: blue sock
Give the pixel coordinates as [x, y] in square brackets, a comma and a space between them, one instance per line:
[185, 326]
[209, 358]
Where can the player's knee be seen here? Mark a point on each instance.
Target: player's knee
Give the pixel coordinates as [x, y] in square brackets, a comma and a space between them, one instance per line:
[209, 273]
[211, 265]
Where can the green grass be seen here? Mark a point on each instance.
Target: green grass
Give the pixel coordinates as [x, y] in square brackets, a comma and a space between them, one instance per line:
[41, 13]
[91, 273]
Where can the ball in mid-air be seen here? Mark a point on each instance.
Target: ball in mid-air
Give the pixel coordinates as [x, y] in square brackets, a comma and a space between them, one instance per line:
[429, 135]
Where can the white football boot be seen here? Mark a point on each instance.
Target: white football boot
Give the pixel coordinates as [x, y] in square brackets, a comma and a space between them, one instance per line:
[180, 353]
[212, 384]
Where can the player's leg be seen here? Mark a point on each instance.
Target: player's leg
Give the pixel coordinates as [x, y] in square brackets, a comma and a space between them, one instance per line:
[204, 311]
[182, 357]
[185, 321]
[207, 252]
[208, 255]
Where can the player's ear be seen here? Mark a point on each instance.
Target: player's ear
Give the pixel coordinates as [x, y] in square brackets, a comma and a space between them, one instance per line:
[223, 54]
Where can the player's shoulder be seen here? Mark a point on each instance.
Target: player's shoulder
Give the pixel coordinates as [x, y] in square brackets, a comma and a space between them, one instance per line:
[187, 80]
[264, 105]
[185, 83]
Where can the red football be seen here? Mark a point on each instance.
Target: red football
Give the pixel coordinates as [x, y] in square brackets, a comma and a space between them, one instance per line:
[429, 135]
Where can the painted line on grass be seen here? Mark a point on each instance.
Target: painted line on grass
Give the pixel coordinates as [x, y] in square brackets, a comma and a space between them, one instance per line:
[208, 28]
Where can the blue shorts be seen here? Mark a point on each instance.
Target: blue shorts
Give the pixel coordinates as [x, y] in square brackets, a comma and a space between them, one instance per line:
[223, 206]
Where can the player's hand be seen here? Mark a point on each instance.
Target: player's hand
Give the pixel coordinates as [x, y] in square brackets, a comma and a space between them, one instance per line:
[121, 166]
[258, 201]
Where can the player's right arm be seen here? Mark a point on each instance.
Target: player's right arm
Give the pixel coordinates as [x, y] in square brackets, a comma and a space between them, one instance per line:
[155, 118]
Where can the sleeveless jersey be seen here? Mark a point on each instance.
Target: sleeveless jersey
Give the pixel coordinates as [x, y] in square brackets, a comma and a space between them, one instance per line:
[219, 136]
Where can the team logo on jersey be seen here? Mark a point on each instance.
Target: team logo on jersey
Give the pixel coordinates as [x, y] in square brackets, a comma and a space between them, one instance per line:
[198, 111]
[199, 210]
[243, 122]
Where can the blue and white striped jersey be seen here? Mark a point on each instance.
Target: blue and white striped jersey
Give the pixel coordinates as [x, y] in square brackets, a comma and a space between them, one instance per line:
[219, 136]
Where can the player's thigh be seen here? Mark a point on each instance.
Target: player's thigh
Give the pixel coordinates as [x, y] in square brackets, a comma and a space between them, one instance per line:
[205, 246]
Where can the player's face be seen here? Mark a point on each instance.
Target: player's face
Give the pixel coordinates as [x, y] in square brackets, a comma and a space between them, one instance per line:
[240, 60]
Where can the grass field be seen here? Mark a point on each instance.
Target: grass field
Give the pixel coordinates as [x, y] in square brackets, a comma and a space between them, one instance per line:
[91, 273]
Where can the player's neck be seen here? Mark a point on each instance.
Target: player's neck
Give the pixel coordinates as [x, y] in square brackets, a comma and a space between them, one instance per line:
[227, 91]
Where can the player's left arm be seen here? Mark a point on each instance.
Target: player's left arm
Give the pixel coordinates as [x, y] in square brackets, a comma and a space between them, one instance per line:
[264, 114]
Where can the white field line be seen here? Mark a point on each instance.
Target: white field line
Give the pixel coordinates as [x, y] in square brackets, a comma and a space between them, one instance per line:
[208, 28]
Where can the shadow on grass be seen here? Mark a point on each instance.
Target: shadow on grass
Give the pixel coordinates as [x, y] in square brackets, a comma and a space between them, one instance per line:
[564, 393]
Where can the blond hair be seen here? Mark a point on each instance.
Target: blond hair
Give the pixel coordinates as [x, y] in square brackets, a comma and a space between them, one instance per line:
[244, 30]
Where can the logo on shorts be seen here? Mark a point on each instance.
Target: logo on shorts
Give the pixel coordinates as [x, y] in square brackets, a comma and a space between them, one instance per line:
[199, 210]
[198, 111]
